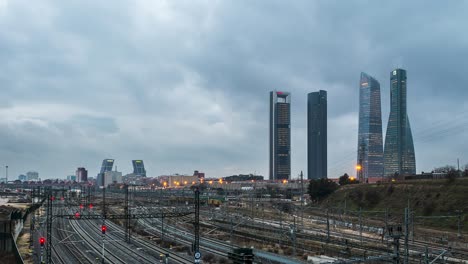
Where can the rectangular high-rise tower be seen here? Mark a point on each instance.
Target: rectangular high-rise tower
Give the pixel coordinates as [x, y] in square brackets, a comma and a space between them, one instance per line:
[399, 157]
[370, 143]
[280, 135]
[317, 135]
[81, 175]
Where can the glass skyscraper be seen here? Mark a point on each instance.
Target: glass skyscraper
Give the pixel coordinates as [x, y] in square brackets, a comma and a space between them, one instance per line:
[139, 168]
[280, 135]
[370, 143]
[317, 135]
[399, 157]
[107, 165]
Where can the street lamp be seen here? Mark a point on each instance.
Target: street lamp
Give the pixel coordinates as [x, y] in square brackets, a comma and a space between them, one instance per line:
[359, 170]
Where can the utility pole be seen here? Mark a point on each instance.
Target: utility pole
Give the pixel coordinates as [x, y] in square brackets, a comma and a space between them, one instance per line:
[162, 229]
[196, 246]
[395, 233]
[328, 227]
[281, 227]
[459, 212]
[360, 223]
[230, 234]
[386, 223]
[127, 220]
[50, 198]
[302, 201]
[406, 234]
[426, 256]
[104, 214]
[293, 236]
[412, 226]
[6, 168]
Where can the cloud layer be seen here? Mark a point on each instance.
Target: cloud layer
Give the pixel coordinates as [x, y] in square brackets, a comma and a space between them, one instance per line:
[184, 85]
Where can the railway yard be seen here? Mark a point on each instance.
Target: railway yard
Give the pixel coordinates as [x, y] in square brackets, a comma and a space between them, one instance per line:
[158, 226]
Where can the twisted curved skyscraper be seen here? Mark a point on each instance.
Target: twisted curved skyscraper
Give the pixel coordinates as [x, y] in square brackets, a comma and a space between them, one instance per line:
[399, 155]
[370, 143]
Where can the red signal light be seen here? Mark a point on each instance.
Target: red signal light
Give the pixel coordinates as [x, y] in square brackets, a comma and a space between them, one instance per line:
[103, 229]
[77, 215]
[42, 241]
[81, 206]
[90, 206]
[52, 198]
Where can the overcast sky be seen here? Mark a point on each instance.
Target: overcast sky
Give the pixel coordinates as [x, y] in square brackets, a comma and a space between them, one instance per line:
[184, 85]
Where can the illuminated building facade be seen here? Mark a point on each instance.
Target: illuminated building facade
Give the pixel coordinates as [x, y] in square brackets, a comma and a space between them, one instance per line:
[370, 142]
[280, 135]
[399, 156]
[317, 135]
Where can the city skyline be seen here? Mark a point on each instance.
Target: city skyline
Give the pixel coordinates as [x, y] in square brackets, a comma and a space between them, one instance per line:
[183, 86]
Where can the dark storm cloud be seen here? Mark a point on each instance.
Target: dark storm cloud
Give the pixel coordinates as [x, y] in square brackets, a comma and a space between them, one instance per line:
[184, 85]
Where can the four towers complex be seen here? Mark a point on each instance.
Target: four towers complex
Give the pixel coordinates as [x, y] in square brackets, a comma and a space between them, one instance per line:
[397, 158]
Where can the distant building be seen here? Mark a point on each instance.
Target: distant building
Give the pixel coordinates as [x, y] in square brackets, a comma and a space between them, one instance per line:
[81, 175]
[317, 135]
[32, 175]
[399, 156]
[107, 165]
[243, 177]
[71, 177]
[22, 177]
[133, 179]
[111, 177]
[280, 135]
[370, 142]
[139, 168]
[200, 175]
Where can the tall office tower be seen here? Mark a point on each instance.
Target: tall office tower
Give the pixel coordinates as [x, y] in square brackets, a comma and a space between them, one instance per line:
[139, 168]
[370, 142]
[399, 157]
[81, 175]
[107, 165]
[317, 135]
[280, 135]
